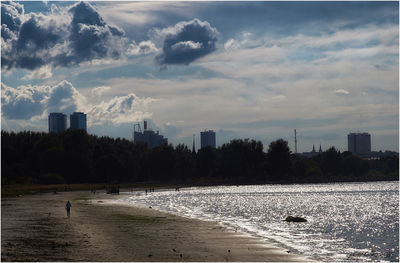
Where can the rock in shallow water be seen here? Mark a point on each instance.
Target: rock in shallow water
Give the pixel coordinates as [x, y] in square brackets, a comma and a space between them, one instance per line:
[295, 219]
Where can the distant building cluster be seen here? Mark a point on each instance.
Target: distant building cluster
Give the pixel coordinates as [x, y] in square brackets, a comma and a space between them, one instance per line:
[58, 121]
[312, 153]
[358, 144]
[153, 139]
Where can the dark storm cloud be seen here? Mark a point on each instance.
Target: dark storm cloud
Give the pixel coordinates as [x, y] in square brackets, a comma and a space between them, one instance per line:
[32, 40]
[36, 36]
[90, 38]
[10, 15]
[186, 42]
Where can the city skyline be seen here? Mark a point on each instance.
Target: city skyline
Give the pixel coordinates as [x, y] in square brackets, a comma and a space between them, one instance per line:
[254, 70]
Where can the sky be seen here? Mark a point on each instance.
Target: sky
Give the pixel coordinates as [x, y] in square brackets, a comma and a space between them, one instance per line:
[253, 70]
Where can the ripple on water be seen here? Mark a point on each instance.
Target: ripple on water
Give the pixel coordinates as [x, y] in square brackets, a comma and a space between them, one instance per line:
[346, 221]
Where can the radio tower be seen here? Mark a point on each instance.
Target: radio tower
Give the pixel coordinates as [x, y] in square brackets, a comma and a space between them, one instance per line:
[194, 148]
[295, 142]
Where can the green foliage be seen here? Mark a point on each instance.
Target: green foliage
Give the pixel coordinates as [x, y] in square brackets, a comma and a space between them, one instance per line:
[314, 174]
[77, 157]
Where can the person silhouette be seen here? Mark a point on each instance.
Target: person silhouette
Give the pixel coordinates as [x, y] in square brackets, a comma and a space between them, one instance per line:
[68, 208]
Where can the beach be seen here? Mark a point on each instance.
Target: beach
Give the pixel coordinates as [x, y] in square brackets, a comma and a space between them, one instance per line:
[36, 228]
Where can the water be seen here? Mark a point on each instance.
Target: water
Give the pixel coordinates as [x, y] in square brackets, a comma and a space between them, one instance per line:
[346, 221]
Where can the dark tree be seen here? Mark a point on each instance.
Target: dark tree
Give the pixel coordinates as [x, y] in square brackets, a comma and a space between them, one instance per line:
[355, 167]
[241, 161]
[279, 164]
[206, 163]
[330, 163]
[76, 157]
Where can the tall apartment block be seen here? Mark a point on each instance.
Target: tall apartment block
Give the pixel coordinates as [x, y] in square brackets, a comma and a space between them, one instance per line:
[359, 143]
[207, 138]
[78, 120]
[57, 122]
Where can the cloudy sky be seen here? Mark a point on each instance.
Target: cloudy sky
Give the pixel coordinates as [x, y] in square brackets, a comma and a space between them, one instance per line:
[254, 70]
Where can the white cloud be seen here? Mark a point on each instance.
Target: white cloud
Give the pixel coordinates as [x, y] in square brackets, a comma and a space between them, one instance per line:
[98, 91]
[34, 103]
[187, 45]
[342, 91]
[28, 102]
[140, 13]
[122, 109]
[231, 44]
[144, 47]
[40, 73]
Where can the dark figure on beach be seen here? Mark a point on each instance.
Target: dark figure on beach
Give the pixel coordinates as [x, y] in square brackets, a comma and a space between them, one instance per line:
[68, 208]
[145, 190]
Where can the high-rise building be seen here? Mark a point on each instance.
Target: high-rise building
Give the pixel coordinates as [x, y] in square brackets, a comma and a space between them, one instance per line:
[207, 138]
[57, 122]
[359, 143]
[153, 139]
[78, 120]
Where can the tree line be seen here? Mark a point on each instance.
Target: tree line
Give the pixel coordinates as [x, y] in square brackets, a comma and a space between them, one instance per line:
[77, 157]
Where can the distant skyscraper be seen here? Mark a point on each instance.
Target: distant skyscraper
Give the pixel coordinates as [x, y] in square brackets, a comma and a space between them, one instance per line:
[78, 120]
[207, 138]
[57, 122]
[359, 143]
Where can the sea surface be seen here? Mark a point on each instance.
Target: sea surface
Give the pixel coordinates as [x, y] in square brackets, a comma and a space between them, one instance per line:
[346, 221]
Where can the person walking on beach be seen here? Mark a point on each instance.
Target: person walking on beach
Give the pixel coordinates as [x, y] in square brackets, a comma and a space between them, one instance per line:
[68, 208]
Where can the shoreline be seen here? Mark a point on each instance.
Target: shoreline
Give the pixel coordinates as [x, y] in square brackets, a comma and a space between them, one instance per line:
[36, 228]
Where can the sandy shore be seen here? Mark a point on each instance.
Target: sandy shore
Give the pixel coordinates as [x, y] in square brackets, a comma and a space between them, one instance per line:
[36, 228]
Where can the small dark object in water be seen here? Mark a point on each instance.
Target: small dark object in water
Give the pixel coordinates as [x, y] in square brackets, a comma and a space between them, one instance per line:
[150, 207]
[229, 251]
[150, 255]
[295, 219]
[181, 255]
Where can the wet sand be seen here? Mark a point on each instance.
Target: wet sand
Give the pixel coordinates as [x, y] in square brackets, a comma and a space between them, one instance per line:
[36, 228]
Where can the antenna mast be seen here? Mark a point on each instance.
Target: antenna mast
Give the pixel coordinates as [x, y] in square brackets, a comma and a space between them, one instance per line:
[193, 149]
